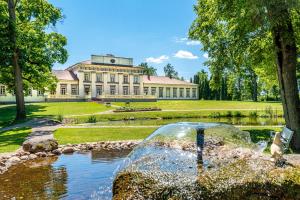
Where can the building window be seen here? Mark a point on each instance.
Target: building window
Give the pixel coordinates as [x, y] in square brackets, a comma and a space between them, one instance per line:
[2, 90]
[181, 92]
[40, 92]
[74, 89]
[112, 78]
[52, 92]
[87, 77]
[174, 92]
[125, 79]
[87, 89]
[153, 91]
[136, 79]
[125, 90]
[194, 93]
[136, 90]
[112, 89]
[161, 92]
[188, 93]
[99, 89]
[63, 89]
[99, 77]
[168, 92]
[146, 90]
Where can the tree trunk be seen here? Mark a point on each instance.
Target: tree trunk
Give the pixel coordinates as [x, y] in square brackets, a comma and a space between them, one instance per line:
[286, 54]
[21, 113]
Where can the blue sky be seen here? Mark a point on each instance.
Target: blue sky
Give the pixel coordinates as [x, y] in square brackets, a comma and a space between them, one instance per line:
[146, 30]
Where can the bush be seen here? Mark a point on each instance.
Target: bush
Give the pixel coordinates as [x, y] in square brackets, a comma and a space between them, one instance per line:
[237, 114]
[228, 114]
[60, 118]
[92, 119]
[253, 114]
[215, 115]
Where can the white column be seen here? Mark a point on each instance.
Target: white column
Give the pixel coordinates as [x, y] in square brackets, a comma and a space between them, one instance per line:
[93, 85]
[80, 84]
[105, 85]
[120, 80]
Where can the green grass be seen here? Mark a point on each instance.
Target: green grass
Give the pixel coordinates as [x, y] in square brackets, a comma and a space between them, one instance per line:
[11, 140]
[82, 135]
[204, 104]
[7, 113]
[159, 115]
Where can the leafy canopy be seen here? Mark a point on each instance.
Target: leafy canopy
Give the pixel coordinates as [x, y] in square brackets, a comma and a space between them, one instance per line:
[38, 46]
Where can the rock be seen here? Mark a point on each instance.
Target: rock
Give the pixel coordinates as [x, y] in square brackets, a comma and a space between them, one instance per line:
[56, 151]
[68, 150]
[44, 143]
[32, 156]
[41, 154]
[24, 157]
[13, 160]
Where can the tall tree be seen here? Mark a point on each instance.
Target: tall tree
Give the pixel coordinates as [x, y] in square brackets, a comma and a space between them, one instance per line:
[170, 71]
[148, 70]
[265, 31]
[28, 47]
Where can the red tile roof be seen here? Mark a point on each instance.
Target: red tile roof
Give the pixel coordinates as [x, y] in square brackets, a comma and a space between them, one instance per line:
[165, 80]
[65, 75]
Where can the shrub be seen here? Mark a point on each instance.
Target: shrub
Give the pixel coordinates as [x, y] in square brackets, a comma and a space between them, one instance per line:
[237, 114]
[60, 118]
[92, 119]
[228, 114]
[215, 115]
[253, 114]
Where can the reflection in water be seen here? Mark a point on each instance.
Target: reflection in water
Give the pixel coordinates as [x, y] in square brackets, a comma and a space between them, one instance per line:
[78, 176]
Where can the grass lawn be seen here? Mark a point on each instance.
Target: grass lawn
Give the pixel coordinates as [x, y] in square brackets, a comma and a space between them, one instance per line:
[82, 135]
[7, 113]
[204, 104]
[11, 140]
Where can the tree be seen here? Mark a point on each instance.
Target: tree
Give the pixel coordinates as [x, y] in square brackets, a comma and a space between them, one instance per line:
[201, 78]
[28, 47]
[170, 71]
[148, 70]
[262, 33]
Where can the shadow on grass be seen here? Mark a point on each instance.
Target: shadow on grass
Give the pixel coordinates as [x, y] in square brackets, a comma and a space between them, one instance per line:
[7, 113]
[11, 140]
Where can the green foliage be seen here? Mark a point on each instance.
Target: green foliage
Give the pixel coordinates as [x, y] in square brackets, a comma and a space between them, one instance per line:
[269, 111]
[38, 46]
[92, 119]
[215, 115]
[60, 118]
[229, 114]
[253, 114]
[170, 71]
[237, 114]
[148, 70]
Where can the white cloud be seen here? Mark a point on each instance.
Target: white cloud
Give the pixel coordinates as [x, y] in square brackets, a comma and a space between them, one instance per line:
[185, 55]
[180, 40]
[205, 55]
[158, 60]
[187, 41]
[193, 42]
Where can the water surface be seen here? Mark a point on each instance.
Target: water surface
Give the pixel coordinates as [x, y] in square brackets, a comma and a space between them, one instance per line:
[78, 176]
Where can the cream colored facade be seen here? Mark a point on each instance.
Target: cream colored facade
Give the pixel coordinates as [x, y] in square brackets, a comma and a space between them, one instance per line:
[109, 78]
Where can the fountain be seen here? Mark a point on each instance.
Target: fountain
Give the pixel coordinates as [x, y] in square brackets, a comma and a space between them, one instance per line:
[203, 161]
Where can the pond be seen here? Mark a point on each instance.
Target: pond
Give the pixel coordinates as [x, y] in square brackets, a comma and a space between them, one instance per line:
[87, 175]
[242, 121]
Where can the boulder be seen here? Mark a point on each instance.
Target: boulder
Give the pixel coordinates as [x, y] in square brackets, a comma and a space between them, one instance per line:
[32, 156]
[13, 160]
[68, 150]
[44, 143]
[56, 151]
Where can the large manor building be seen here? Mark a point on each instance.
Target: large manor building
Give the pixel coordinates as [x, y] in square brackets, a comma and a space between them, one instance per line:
[108, 78]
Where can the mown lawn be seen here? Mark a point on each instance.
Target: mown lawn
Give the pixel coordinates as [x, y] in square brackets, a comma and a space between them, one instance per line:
[7, 113]
[82, 135]
[11, 140]
[204, 104]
